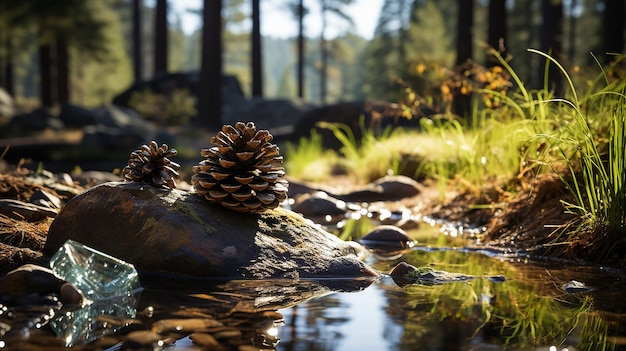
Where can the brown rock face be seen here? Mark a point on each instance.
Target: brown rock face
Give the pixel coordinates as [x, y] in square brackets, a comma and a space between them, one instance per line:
[160, 230]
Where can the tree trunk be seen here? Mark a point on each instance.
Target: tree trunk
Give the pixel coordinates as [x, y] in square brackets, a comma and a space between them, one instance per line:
[47, 93]
[257, 70]
[160, 38]
[301, 49]
[496, 36]
[6, 64]
[461, 104]
[551, 39]
[572, 31]
[464, 32]
[63, 72]
[210, 86]
[323, 56]
[137, 52]
[613, 28]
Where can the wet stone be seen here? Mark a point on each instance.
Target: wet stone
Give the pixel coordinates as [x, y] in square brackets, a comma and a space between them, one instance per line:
[182, 233]
[574, 287]
[143, 339]
[185, 325]
[387, 237]
[28, 283]
[205, 340]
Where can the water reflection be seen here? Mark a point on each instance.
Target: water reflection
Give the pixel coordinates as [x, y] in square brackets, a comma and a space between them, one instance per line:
[95, 319]
[529, 310]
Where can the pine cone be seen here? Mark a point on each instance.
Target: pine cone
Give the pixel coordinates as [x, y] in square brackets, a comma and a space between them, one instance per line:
[243, 171]
[151, 165]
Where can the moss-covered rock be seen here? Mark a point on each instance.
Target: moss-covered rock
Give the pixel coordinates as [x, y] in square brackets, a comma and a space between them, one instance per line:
[179, 232]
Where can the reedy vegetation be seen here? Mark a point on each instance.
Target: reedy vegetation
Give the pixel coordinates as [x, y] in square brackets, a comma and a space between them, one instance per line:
[514, 135]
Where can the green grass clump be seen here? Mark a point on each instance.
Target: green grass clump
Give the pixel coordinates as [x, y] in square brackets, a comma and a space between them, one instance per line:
[597, 136]
[308, 160]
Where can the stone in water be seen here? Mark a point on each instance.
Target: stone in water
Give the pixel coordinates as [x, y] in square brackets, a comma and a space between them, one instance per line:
[95, 274]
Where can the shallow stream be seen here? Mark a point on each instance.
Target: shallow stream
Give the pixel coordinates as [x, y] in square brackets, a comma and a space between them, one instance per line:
[512, 303]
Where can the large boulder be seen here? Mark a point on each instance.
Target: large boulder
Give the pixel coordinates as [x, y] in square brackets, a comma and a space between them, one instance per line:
[167, 84]
[277, 115]
[174, 231]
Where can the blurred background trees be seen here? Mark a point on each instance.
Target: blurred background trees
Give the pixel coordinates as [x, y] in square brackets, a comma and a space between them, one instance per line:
[85, 51]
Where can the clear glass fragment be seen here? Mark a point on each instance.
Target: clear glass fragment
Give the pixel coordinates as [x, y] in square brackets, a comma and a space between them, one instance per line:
[96, 274]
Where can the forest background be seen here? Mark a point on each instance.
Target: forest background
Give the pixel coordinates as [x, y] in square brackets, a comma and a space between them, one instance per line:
[415, 44]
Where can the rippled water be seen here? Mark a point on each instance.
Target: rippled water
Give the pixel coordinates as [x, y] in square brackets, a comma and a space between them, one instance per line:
[528, 310]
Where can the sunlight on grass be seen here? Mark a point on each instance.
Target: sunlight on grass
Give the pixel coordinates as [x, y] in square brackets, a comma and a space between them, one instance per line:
[581, 136]
[308, 160]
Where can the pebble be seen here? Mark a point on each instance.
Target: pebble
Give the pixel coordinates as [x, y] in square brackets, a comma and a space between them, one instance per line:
[45, 199]
[184, 325]
[387, 237]
[30, 279]
[206, 340]
[143, 338]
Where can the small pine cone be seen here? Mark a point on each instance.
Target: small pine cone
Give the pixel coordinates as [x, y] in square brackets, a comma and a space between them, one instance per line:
[243, 171]
[151, 165]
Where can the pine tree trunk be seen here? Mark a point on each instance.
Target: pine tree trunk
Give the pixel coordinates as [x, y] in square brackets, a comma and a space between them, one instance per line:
[160, 38]
[613, 28]
[6, 63]
[461, 104]
[323, 57]
[496, 36]
[464, 32]
[137, 42]
[301, 49]
[63, 72]
[257, 70]
[47, 92]
[551, 38]
[210, 86]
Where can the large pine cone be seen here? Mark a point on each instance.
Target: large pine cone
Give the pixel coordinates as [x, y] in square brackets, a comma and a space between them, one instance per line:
[243, 171]
[151, 165]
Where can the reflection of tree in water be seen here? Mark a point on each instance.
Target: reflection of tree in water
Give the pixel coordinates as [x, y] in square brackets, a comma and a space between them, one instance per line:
[314, 325]
[528, 309]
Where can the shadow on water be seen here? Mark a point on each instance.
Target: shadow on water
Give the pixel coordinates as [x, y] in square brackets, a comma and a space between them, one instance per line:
[511, 304]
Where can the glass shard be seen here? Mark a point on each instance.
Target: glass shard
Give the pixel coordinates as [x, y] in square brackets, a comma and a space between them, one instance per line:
[96, 274]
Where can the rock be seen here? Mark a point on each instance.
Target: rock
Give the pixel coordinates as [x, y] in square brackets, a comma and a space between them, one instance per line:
[102, 137]
[387, 238]
[7, 106]
[77, 116]
[319, 204]
[575, 287]
[26, 211]
[37, 120]
[167, 84]
[160, 230]
[278, 115]
[108, 116]
[404, 274]
[45, 199]
[30, 279]
[389, 188]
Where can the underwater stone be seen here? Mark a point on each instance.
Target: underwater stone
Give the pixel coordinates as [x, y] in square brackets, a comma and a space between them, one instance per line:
[96, 274]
